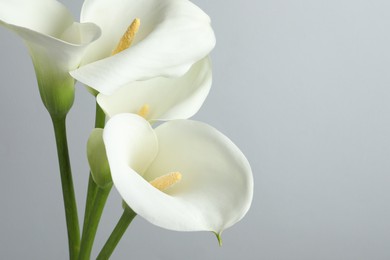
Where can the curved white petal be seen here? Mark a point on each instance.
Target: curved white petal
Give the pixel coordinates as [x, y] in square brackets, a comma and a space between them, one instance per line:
[45, 16]
[216, 187]
[174, 34]
[64, 51]
[130, 142]
[167, 98]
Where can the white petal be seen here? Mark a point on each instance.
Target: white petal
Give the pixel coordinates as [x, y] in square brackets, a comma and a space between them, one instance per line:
[167, 98]
[45, 16]
[65, 51]
[57, 52]
[130, 142]
[216, 187]
[174, 34]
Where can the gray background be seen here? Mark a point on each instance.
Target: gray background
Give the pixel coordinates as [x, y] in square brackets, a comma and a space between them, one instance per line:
[301, 86]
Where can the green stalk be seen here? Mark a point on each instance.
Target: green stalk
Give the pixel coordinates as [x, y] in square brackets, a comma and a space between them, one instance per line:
[116, 235]
[100, 118]
[91, 194]
[67, 186]
[89, 231]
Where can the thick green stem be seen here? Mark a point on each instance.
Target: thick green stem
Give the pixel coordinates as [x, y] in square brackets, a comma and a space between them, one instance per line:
[116, 235]
[91, 193]
[72, 221]
[92, 187]
[89, 231]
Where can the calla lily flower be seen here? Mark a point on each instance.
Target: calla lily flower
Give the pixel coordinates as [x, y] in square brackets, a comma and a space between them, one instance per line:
[162, 98]
[167, 37]
[184, 175]
[56, 44]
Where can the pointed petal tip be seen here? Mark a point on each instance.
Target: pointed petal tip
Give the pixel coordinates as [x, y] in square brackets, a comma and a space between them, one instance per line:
[219, 238]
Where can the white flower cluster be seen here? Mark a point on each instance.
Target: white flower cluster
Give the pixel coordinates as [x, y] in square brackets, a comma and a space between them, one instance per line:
[145, 61]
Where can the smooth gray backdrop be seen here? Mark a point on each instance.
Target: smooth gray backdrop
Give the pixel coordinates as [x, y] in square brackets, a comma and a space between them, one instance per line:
[301, 86]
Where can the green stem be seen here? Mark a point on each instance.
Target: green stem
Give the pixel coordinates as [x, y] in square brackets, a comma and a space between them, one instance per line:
[89, 231]
[91, 193]
[92, 187]
[116, 235]
[67, 186]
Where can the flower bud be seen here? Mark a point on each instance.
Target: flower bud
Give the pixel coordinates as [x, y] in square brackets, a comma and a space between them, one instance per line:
[97, 159]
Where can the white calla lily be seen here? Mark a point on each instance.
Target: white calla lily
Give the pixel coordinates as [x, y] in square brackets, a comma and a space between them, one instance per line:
[56, 44]
[162, 98]
[172, 36]
[214, 183]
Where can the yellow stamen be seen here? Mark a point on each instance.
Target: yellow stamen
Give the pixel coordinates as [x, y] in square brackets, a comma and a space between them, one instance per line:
[166, 181]
[144, 111]
[127, 37]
